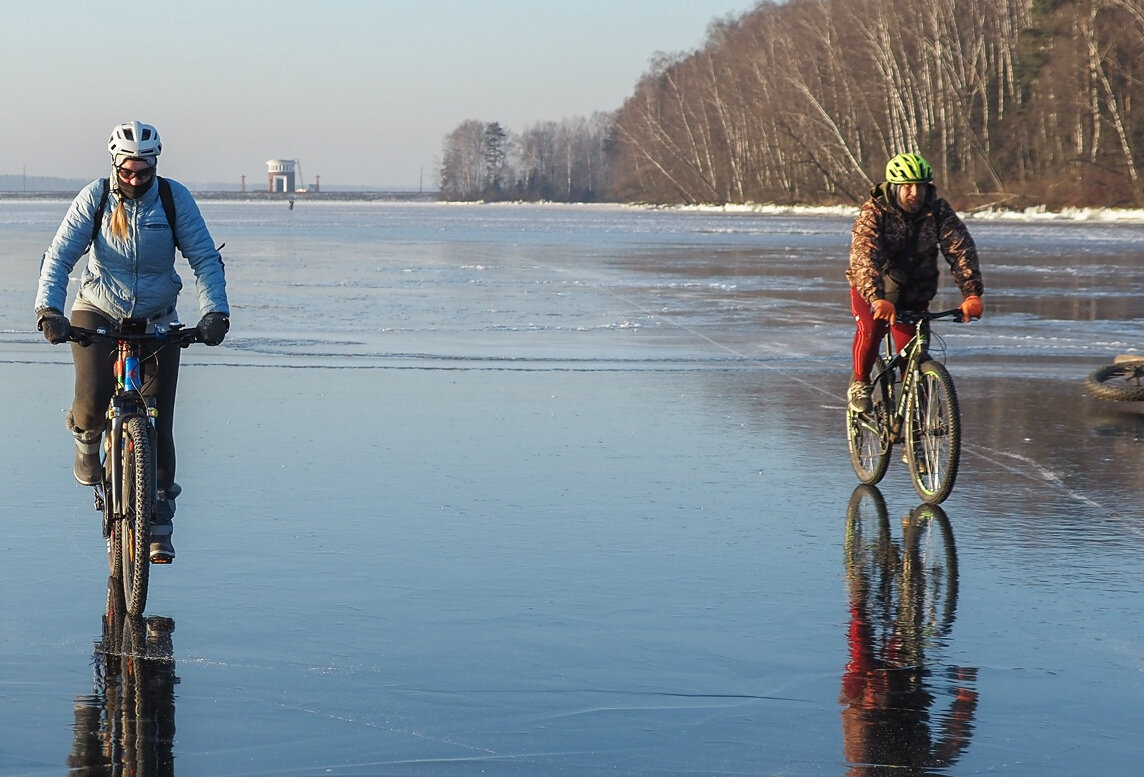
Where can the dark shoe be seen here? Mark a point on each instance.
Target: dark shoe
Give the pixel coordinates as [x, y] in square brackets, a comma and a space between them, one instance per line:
[162, 551]
[88, 469]
[858, 396]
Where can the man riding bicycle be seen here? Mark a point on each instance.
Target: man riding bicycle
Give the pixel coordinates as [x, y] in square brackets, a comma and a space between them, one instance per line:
[894, 246]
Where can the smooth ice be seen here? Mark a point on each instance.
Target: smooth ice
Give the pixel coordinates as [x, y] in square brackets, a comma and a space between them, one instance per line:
[564, 490]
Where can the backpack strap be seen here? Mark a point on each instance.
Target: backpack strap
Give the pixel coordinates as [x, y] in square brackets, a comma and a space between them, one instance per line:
[168, 207]
[165, 196]
[97, 220]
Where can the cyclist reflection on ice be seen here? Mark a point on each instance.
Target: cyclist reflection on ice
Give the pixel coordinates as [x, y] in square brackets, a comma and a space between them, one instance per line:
[127, 725]
[903, 597]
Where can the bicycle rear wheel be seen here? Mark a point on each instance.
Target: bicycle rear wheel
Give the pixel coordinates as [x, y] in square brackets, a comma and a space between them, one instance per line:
[132, 532]
[868, 434]
[111, 526]
[933, 434]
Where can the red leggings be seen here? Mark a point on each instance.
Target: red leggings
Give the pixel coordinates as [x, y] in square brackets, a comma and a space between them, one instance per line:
[868, 336]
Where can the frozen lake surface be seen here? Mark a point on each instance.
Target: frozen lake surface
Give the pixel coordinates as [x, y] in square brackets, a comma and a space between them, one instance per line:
[520, 490]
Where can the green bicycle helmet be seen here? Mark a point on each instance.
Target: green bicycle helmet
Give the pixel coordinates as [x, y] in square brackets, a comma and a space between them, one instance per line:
[909, 168]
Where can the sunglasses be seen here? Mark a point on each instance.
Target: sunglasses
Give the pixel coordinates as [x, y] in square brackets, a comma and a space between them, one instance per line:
[143, 175]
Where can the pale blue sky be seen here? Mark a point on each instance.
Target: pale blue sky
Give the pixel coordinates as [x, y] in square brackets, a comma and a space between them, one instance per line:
[361, 92]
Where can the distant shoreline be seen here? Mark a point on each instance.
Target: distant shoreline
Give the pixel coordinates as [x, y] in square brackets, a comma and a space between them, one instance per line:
[1038, 213]
[255, 196]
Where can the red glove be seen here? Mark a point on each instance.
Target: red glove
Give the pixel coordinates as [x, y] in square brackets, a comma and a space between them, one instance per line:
[971, 308]
[884, 310]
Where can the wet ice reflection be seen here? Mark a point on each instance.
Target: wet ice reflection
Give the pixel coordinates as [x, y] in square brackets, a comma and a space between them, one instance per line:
[906, 706]
[126, 725]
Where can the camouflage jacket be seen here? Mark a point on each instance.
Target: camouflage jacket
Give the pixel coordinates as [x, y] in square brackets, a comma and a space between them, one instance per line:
[893, 254]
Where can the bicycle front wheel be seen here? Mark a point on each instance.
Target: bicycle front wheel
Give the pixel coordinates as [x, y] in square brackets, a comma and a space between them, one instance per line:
[132, 532]
[933, 434]
[868, 434]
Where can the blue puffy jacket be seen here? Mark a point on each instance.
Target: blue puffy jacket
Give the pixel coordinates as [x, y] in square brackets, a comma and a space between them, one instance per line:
[135, 276]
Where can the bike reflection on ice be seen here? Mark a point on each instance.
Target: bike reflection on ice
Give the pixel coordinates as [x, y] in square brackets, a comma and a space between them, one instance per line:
[127, 725]
[903, 599]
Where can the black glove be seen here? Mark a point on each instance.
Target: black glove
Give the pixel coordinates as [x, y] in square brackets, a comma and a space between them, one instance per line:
[54, 325]
[213, 328]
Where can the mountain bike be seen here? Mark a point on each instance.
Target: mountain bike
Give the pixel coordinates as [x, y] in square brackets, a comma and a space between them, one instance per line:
[1121, 381]
[129, 489]
[919, 409]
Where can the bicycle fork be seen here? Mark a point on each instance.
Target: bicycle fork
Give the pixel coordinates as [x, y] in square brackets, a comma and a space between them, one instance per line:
[113, 471]
[113, 463]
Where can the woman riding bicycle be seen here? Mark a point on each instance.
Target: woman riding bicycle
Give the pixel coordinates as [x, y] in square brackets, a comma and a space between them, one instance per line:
[893, 262]
[130, 273]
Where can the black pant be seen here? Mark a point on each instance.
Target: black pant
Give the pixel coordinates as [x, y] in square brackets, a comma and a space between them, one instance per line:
[95, 383]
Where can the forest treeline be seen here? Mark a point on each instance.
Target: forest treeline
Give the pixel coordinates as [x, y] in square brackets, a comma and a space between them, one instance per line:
[1014, 102]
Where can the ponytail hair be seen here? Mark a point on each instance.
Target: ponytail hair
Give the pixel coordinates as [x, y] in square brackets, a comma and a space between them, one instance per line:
[119, 222]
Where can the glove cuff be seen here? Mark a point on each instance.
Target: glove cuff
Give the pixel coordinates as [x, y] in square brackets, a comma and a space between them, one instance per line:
[43, 313]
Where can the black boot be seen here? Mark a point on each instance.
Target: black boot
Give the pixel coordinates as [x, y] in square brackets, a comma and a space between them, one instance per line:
[88, 469]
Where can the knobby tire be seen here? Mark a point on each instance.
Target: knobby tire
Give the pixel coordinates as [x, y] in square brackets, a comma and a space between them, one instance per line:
[133, 530]
[114, 554]
[1123, 382]
[868, 434]
[933, 434]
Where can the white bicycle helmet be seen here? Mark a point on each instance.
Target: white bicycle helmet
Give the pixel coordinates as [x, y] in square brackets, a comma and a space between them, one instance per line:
[134, 140]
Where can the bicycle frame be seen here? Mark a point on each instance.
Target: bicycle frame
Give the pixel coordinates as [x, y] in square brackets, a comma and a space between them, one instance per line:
[909, 360]
[127, 400]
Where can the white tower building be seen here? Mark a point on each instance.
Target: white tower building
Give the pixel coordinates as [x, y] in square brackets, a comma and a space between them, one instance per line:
[280, 175]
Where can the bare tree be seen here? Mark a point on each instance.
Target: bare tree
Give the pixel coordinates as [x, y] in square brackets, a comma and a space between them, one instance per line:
[804, 100]
[559, 161]
[463, 163]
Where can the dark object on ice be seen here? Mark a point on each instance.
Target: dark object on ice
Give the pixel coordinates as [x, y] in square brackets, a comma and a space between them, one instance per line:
[1121, 381]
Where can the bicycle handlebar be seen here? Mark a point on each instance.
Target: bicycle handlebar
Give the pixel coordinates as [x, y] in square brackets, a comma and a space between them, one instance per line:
[181, 337]
[914, 316]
